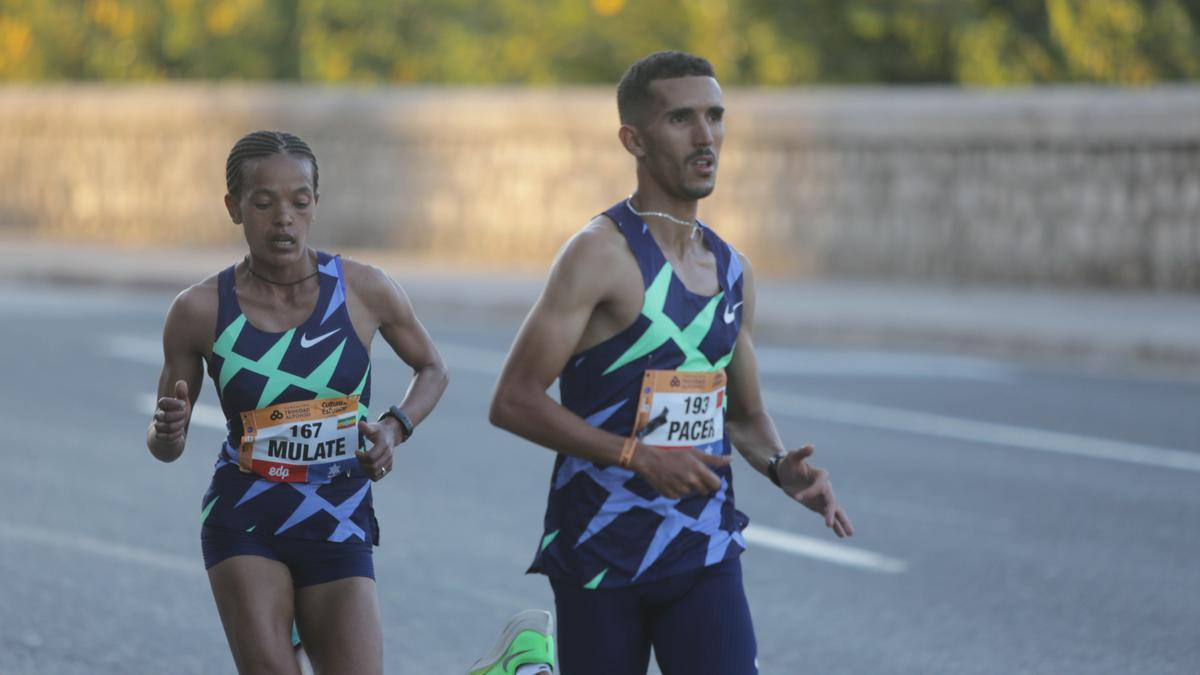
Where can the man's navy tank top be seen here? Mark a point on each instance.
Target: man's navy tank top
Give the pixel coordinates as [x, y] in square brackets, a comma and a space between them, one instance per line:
[252, 369]
[605, 526]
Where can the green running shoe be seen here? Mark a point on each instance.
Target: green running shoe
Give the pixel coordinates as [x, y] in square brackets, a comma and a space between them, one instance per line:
[527, 638]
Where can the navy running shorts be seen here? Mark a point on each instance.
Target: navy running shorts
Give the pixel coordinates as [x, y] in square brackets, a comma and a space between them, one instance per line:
[697, 622]
[310, 561]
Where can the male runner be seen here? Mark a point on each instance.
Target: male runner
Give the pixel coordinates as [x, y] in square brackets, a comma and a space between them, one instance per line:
[645, 320]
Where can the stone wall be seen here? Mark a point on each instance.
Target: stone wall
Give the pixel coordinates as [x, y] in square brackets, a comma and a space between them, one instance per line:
[1052, 186]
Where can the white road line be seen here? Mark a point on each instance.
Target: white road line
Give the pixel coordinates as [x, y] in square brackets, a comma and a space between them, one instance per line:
[471, 359]
[895, 419]
[143, 349]
[37, 300]
[133, 348]
[882, 364]
[488, 362]
[809, 547]
[85, 544]
[802, 362]
[203, 415]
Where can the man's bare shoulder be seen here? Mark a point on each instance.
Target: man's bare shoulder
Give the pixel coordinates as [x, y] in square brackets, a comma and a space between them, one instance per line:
[597, 249]
[603, 231]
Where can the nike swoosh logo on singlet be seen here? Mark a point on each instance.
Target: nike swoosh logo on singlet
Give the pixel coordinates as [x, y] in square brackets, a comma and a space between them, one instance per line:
[306, 343]
[510, 657]
[729, 312]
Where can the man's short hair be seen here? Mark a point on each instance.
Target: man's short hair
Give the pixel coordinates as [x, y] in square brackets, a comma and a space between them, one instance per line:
[634, 97]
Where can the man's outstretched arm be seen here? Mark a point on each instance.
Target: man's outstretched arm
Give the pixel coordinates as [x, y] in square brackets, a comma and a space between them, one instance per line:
[752, 431]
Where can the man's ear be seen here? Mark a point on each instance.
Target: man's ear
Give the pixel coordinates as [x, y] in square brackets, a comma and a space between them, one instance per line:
[234, 209]
[631, 138]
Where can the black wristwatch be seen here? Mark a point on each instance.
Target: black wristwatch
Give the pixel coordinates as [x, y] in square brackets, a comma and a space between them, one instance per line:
[773, 467]
[406, 425]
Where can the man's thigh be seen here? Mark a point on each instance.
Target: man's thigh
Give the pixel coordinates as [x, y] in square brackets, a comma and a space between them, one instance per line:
[601, 631]
[707, 630]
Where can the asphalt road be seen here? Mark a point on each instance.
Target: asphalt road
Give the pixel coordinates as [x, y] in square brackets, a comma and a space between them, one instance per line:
[1011, 518]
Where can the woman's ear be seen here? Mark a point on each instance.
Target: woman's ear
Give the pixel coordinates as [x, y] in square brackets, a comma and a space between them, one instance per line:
[234, 209]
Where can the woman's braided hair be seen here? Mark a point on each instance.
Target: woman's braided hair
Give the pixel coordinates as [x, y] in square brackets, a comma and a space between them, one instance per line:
[260, 144]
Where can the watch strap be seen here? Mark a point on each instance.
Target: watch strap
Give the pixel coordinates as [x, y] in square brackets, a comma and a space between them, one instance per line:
[406, 424]
[773, 468]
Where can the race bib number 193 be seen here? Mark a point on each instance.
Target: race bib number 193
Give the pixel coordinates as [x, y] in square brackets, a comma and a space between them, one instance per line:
[681, 409]
[301, 442]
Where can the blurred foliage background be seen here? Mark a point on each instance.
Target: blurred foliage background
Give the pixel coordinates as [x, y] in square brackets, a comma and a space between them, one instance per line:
[548, 42]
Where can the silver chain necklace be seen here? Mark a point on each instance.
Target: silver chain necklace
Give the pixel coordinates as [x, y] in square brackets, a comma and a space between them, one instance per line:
[695, 224]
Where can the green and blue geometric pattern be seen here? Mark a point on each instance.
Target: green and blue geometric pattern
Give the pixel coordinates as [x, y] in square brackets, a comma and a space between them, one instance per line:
[605, 526]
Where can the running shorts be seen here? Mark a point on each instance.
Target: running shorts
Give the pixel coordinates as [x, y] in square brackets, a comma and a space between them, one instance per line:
[311, 561]
[697, 622]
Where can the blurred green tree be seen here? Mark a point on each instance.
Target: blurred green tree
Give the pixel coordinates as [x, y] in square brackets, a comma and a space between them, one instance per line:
[755, 42]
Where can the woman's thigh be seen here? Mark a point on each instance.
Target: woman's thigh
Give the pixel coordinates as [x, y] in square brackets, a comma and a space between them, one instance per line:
[339, 626]
[255, 601]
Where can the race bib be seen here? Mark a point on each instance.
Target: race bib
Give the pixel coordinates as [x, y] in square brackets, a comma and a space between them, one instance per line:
[301, 442]
[681, 409]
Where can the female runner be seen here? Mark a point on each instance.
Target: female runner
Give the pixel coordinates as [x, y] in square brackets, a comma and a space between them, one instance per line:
[285, 334]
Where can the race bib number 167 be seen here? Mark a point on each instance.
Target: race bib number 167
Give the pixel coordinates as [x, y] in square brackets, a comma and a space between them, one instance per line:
[301, 442]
